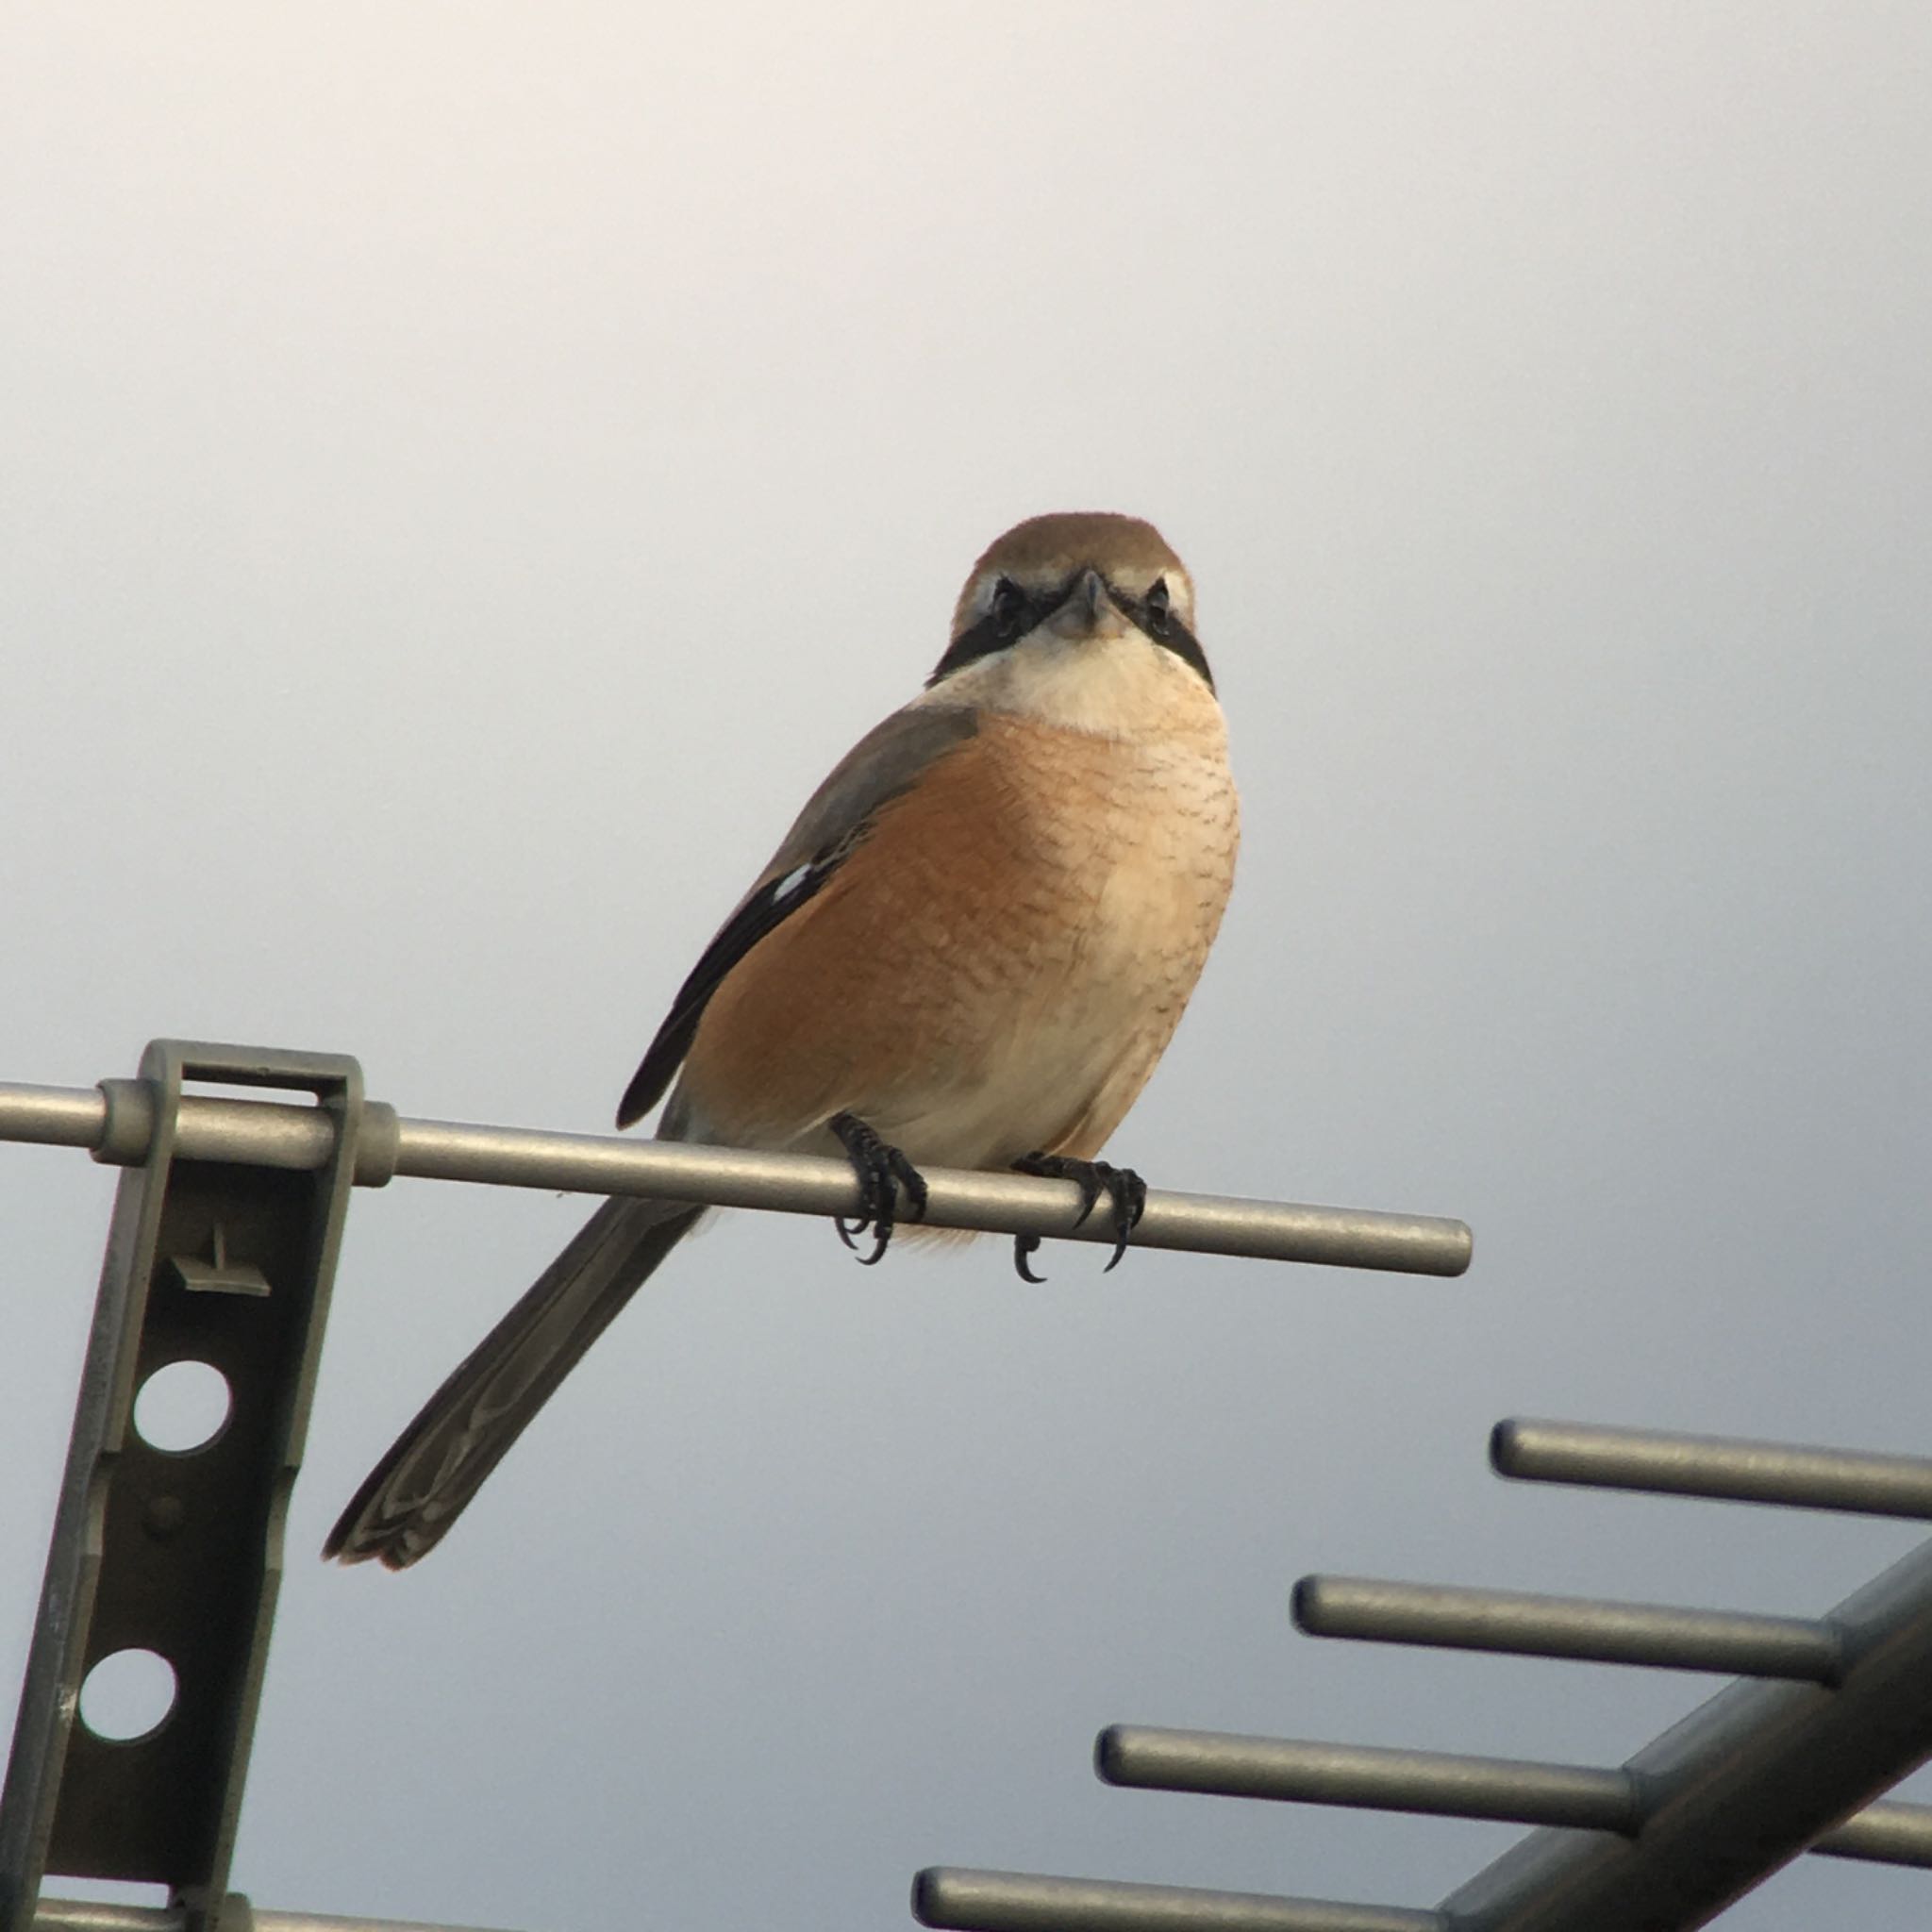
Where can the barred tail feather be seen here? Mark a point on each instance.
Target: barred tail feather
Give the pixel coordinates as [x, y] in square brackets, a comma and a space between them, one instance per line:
[412, 1496]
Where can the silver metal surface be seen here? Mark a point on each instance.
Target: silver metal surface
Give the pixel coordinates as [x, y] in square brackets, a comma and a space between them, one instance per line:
[115, 1121]
[177, 1552]
[1438, 1782]
[59, 1116]
[1719, 1467]
[1658, 1635]
[1744, 1783]
[1757, 1775]
[1445, 1784]
[1886, 1833]
[81, 1915]
[1017, 1902]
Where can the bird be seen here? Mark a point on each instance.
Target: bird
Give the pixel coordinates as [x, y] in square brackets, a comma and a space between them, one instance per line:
[970, 950]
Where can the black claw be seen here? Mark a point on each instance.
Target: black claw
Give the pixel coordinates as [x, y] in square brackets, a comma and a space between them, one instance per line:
[1126, 1198]
[882, 1171]
[1128, 1195]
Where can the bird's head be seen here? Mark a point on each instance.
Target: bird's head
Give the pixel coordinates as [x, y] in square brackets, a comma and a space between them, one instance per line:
[1064, 603]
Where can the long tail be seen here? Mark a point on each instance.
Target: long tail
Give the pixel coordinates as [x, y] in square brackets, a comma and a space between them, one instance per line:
[411, 1498]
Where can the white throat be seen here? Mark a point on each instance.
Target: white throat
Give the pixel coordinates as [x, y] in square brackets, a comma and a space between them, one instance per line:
[1115, 686]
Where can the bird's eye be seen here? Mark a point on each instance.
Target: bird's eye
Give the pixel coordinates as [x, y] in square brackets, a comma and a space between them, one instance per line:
[1008, 608]
[1155, 603]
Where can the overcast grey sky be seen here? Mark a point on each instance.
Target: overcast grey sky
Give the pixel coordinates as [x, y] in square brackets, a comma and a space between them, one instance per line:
[469, 470]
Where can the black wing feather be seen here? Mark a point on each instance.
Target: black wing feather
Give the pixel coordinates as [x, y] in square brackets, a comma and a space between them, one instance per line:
[764, 911]
[884, 763]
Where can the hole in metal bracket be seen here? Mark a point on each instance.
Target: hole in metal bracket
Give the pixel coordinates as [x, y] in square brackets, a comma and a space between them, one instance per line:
[127, 1695]
[182, 1407]
[195, 1088]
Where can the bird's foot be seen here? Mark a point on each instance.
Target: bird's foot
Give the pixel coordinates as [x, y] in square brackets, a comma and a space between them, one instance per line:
[882, 1171]
[1126, 1200]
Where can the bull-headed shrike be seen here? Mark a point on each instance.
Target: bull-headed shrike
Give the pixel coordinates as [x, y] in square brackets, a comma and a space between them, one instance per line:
[970, 950]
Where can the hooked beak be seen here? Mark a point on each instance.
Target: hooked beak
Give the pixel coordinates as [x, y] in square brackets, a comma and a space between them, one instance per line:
[1086, 608]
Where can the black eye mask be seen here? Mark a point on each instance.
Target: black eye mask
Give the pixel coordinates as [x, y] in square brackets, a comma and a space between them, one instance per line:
[1015, 611]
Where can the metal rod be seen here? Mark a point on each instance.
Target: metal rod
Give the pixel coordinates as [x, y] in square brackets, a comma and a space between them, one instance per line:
[1721, 1466]
[1657, 1634]
[61, 1116]
[1438, 1782]
[1747, 1781]
[116, 1122]
[1445, 1784]
[965, 1901]
[1886, 1833]
[85, 1915]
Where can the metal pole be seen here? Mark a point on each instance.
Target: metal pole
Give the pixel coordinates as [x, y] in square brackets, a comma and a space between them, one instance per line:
[1885, 1833]
[116, 1122]
[1445, 1784]
[81, 1915]
[1441, 1783]
[1754, 1777]
[1722, 1468]
[1584, 1628]
[1018, 1902]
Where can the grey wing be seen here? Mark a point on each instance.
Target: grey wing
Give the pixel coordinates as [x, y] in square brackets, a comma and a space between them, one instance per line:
[886, 761]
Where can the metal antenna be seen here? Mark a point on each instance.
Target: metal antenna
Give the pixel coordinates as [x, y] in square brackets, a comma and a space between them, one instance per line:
[1835, 1712]
[116, 1120]
[222, 1252]
[177, 1555]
